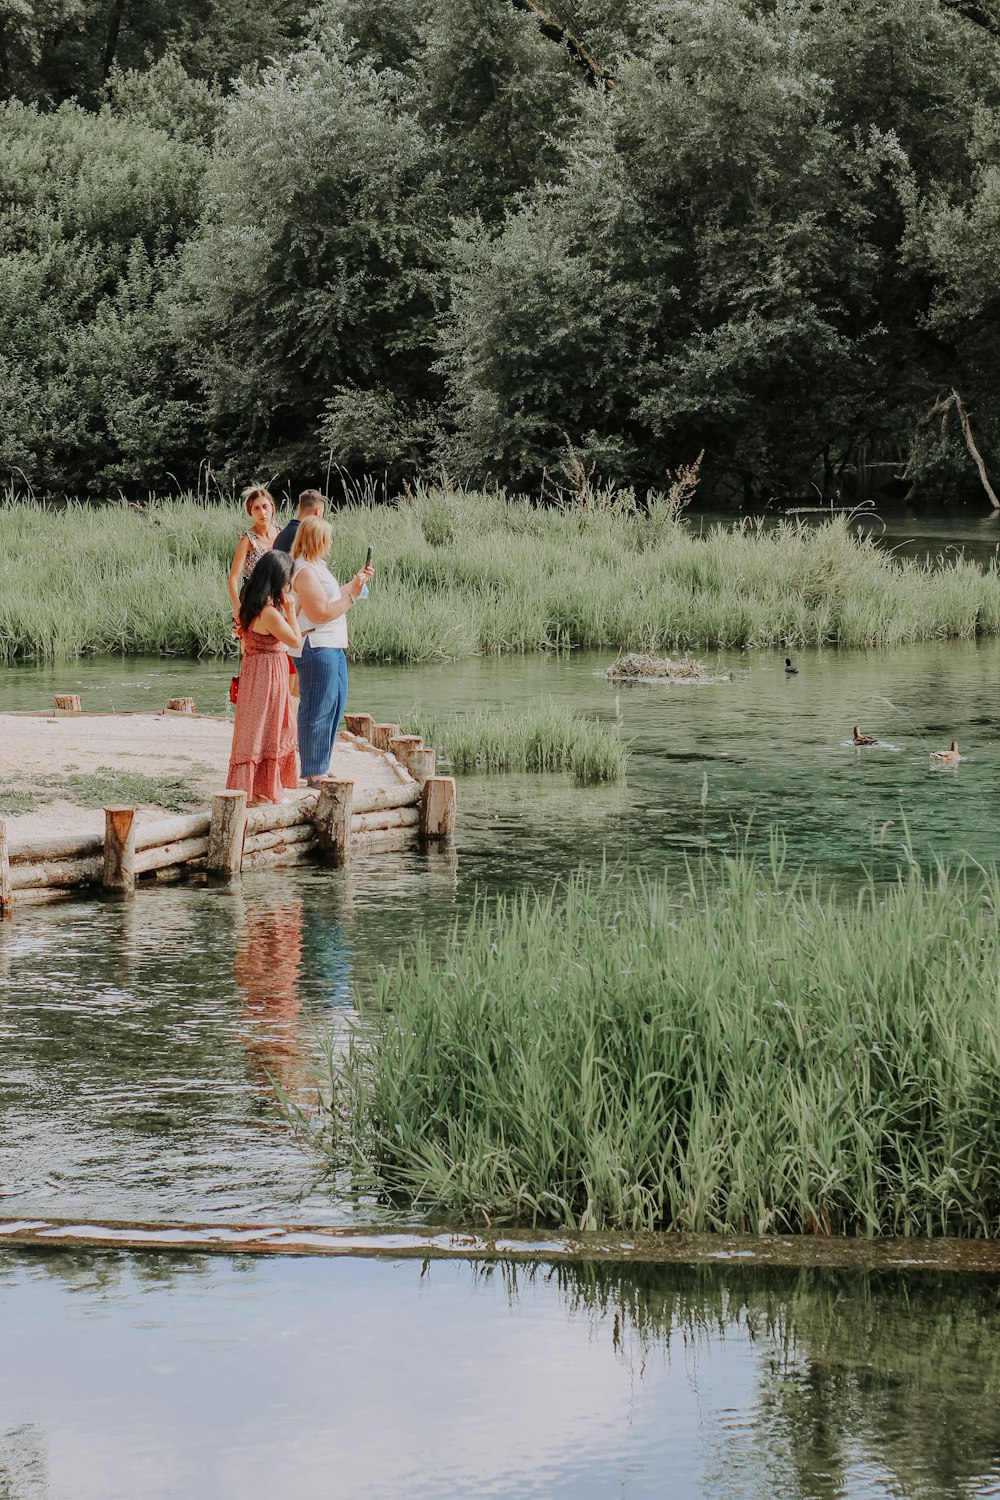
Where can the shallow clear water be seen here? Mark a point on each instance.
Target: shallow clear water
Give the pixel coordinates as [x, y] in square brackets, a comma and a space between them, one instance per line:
[141, 1042]
[196, 1378]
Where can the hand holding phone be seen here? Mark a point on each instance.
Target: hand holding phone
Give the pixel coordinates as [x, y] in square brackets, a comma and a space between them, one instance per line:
[368, 563]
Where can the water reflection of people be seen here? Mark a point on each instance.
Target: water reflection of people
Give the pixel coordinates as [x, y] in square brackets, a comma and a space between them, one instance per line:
[281, 947]
[267, 967]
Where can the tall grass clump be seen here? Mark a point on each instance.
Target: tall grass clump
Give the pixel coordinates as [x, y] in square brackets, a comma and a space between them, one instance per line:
[756, 1056]
[465, 573]
[540, 736]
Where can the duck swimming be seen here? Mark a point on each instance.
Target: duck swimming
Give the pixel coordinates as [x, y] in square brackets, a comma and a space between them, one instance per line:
[863, 739]
[790, 671]
[949, 757]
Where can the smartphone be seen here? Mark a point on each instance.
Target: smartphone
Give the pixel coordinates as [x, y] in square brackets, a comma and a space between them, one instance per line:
[368, 559]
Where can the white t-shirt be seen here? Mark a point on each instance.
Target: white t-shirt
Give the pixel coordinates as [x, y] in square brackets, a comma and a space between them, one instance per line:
[332, 632]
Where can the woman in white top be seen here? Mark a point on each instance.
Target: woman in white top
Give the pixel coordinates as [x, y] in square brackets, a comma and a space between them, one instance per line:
[322, 661]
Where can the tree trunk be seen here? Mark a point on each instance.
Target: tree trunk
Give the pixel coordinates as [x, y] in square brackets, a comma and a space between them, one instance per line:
[597, 76]
[114, 27]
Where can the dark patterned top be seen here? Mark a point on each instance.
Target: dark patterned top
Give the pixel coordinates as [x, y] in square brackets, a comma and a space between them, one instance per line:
[255, 551]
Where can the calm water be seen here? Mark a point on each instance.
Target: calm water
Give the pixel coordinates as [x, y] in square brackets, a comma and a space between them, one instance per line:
[139, 1049]
[160, 1377]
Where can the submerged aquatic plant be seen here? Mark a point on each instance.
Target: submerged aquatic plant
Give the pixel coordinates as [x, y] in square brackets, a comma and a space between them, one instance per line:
[748, 1054]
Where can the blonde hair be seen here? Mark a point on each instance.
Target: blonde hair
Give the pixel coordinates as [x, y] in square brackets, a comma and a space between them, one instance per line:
[256, 492]
[313, 538]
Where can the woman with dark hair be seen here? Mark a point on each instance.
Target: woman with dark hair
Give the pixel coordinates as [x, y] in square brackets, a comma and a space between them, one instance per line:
[263, 761]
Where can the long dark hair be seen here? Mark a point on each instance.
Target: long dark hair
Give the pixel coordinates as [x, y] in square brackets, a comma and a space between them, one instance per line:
[265, 585]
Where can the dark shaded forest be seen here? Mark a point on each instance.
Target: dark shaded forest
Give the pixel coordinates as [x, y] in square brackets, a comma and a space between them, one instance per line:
[495, 237]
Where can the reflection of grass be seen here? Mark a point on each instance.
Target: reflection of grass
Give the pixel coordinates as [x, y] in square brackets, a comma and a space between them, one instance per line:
[541, 736]
[756, 1057]
[460, 574]
[853, 1371]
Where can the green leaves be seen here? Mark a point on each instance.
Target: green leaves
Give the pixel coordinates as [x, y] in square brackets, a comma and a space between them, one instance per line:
[95, 209]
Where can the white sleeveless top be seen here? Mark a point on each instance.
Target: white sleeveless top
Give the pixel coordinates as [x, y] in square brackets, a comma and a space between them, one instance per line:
[331, 632]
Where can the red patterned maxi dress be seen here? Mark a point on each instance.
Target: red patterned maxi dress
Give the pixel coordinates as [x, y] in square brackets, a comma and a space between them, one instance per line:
[263, 760]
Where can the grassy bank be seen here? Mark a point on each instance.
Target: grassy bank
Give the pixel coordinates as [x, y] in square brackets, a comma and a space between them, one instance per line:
[464, 574]
[540, 736]
[758, 1057]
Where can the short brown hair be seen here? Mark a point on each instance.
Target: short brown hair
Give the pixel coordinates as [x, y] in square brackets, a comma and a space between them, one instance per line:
[255, 492]
[310, 498]
[313, 538]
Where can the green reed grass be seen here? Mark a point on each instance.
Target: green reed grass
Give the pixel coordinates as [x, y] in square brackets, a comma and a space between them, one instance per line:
[542, 735]
[459, 574]
[749, 1053]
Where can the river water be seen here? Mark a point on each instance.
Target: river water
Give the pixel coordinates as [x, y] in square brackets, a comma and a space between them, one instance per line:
[198, 1378]
[140, 1046]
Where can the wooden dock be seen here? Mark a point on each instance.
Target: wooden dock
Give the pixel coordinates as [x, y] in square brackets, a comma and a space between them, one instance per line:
[333, 823]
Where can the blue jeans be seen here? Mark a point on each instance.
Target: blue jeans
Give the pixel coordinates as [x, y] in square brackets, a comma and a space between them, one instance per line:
[322, 699]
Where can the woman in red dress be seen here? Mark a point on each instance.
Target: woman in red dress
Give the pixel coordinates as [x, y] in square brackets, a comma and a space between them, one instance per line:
[263, 761]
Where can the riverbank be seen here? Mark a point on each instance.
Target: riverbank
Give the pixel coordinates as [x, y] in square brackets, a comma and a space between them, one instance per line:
[465, 574]
[57, 774]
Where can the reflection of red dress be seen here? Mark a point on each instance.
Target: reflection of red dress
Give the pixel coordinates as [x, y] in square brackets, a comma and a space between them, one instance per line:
[266, 968]
[263, 758]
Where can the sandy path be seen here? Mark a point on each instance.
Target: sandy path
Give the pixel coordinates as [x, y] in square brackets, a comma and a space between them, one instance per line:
[157, 745]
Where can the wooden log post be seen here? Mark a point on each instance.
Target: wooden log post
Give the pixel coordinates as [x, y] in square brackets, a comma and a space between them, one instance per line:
[6, 895]
[422, 763]
[402, 747]
[383, 735]
[359, 724]
[438, 803]
[68, 702]
[332, 818]
[119, 851]
[390, 818]
[180, 705]
[227, 832]
[55, 874]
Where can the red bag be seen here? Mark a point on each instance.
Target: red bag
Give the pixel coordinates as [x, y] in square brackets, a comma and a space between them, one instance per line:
[234, 689]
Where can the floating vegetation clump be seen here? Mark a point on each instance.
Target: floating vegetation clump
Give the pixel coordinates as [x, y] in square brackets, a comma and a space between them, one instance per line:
[636, 666]
[749, 1054]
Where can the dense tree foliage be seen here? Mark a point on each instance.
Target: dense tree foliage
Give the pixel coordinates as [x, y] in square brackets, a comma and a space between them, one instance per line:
[404, 234]
[92, 388]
